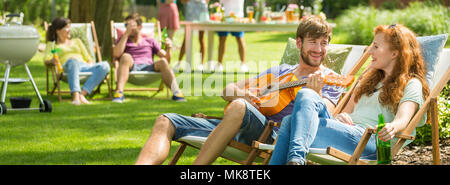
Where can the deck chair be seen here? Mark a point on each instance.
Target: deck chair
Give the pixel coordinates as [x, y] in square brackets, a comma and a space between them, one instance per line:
[87, 34]
[333, 156]
[139, 78]
[246, 154]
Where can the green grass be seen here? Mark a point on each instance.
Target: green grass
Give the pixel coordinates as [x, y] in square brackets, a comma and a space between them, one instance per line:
[105, 133]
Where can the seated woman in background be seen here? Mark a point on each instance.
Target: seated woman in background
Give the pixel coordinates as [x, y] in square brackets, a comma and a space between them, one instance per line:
[74, 59]
[394, 86]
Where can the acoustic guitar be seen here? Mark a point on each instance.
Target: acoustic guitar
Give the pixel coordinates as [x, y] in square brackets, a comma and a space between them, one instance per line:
[276, 93]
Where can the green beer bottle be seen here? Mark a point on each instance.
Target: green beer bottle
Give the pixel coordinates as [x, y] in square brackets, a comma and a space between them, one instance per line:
[164, 37]
[383, 147]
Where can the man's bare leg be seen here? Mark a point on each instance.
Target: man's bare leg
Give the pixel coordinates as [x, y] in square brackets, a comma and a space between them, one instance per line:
[125, 64]
[156, 149]
[167, 74]
[170, 34]
[222, 134]
[241, 47]
[202, 47]
[222, 42]
[202, 44]
[182, 50]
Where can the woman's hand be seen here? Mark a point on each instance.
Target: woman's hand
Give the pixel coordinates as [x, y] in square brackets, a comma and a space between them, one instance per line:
[344, 118]
[387, 133]
[89, 62]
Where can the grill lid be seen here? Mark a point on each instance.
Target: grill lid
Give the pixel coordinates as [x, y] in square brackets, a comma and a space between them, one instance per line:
[18, 32]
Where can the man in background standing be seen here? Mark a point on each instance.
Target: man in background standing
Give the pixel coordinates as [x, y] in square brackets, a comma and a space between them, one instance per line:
[236, 8]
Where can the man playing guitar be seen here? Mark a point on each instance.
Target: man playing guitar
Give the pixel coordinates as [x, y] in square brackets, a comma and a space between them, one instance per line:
[242, 120]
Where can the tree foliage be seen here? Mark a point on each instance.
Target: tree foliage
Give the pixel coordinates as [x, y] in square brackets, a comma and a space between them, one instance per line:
[36, 11]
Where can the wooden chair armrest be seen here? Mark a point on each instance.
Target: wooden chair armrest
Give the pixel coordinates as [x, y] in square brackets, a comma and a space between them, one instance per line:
[398, 135]
[344, 156]
[256, 145]
[49, 64]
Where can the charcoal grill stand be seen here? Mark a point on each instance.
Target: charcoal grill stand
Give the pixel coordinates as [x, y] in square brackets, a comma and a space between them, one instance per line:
[45, 105]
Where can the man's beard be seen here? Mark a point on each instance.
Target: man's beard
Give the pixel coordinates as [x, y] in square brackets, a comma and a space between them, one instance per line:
[305, 58]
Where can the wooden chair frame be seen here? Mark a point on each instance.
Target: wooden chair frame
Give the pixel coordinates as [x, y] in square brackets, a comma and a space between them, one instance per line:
[115, 62]
[253, 152]
[58, 77]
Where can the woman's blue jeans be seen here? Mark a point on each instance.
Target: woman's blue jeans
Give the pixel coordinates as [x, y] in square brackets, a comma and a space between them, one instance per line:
[311, 125]
[73, 68]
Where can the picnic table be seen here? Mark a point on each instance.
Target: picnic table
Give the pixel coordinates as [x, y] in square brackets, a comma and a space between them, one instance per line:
[211, 27]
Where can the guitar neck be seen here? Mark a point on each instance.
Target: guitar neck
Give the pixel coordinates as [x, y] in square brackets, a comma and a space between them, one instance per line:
[293, 84]
[337, 81]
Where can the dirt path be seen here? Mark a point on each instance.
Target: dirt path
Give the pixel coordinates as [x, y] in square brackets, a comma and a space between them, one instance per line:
[422, 155]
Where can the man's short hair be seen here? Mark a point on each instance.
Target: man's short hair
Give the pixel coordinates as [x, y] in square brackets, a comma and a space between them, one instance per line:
[314, 27]
[134, 17]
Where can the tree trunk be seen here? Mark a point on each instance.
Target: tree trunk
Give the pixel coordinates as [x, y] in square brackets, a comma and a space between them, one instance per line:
[101, 12]
[81, 11]
[110, 10]
[117, 10]
[102, 18]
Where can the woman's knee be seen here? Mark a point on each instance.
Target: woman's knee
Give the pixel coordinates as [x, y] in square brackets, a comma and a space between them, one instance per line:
[306, 94]
[71, 64]
[104, 67]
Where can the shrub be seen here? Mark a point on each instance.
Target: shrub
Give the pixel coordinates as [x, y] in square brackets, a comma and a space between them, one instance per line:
[355, 26]
[424, 133]
[424, 18]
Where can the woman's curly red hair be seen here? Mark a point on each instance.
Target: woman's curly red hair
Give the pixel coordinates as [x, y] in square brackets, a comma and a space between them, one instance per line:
[409, 64]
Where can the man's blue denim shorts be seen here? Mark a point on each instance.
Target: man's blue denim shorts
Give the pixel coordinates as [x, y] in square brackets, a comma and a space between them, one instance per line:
[225, 33]
[143, 67]
[252, 125]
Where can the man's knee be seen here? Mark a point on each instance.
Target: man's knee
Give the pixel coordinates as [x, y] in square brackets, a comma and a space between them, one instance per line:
[126, 58]
[163, 124]
[163, 62]
[236, 108]
[162, 65]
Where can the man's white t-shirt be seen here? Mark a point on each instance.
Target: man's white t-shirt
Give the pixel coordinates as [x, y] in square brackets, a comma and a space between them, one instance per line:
[235, 6]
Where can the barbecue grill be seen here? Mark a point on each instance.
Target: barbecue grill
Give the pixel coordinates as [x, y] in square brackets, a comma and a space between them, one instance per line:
[18, 44]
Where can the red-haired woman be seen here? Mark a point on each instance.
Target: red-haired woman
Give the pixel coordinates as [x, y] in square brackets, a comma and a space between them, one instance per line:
[394, 86]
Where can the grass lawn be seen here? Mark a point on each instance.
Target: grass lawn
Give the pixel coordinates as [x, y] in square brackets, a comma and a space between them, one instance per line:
[106, 133]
